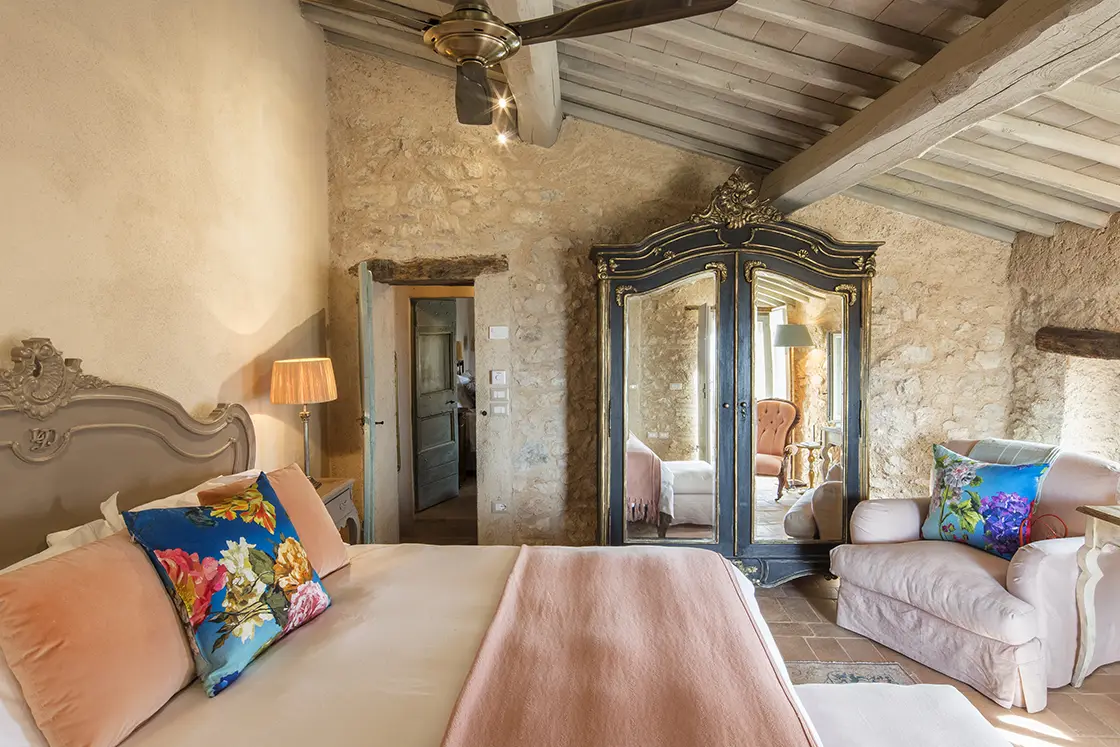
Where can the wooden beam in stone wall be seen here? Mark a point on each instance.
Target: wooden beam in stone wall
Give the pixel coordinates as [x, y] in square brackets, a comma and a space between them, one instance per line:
[1025, 48]
[1082, 343]
[442, 271]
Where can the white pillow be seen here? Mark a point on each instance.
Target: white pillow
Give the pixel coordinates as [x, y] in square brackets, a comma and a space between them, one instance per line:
[89, 532]
[185, 499]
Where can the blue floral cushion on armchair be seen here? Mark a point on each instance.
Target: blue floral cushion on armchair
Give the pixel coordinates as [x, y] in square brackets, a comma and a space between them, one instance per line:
[988, 506]
[237, 574]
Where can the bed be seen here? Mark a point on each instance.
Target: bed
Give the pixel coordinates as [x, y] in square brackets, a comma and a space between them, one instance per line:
[385, 665]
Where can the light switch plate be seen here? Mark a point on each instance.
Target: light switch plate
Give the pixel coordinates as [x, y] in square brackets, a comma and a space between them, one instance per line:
[675, 387]
[499, 394]
[499, 507]
[499, 333]
[499, 410]
[498, 378]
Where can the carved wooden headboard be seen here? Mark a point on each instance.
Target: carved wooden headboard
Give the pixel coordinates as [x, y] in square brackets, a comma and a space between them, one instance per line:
[69, 440]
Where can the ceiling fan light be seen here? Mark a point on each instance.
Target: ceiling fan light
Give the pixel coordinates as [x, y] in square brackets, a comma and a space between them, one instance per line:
[503, 138]
[503, 103]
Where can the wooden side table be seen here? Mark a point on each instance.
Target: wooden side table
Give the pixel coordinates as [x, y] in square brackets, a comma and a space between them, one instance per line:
[1101, 530]
[338, 495]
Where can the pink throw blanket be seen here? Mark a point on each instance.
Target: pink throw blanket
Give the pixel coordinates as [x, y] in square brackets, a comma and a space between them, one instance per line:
[627, 647]
[643, 482]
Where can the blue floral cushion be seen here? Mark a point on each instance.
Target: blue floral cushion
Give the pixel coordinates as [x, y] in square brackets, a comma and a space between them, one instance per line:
[988, 506]
[237, 574]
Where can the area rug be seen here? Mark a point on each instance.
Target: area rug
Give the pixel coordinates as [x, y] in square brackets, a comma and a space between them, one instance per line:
[847, 672]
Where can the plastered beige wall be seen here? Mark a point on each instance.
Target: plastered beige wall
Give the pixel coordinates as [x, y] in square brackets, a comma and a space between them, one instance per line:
[408, 182]
[1070, 280]
[163, 195]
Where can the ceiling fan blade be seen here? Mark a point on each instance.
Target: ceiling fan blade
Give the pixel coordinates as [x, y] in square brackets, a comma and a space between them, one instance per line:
[611, 15]
[472, 94]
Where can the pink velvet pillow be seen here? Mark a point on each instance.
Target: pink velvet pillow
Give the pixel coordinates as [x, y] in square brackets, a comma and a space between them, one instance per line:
[317, 531]
[95, 644]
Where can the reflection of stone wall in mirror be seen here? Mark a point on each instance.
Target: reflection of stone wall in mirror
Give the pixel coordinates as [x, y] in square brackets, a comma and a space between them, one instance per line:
[809, 384]
[661, 378]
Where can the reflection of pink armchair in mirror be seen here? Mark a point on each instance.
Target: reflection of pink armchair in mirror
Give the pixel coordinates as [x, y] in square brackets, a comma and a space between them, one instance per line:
[775, 420]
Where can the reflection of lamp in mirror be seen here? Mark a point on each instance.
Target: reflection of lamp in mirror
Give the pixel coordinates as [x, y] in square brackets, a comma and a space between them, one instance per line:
[792, 336]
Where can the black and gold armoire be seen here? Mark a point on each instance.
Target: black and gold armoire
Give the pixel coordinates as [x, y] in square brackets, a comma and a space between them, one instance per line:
[732, 387]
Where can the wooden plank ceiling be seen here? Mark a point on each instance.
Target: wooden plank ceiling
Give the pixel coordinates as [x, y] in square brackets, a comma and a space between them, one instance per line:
[763, 81]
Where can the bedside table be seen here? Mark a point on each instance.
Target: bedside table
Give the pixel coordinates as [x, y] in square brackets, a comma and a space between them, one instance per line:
[338, 495]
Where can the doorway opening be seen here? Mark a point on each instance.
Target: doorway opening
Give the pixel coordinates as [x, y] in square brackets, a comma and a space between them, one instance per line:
[439, 385]
[431, 461]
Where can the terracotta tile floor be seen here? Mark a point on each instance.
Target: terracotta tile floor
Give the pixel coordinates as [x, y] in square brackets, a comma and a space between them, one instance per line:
[802, 615]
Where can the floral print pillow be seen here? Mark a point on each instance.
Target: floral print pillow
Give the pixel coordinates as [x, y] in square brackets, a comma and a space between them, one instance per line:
[988, 506]
[237, 574]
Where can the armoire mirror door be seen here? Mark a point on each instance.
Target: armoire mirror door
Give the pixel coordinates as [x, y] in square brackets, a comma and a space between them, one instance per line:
[797, 447]
[674, 453]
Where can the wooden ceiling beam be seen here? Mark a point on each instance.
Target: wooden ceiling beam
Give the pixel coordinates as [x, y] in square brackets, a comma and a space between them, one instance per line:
[976, 8]
[709, 78]
[675, 121]
[771, 59]
[428, 64]
[930, 213]
[1024, 49]
[1054, 138]
[1036, 171]
[367, 10]
[733, 115]
[843, 27]
[942, 198]
[1100, 102]
[383, 35]
[661, 135]
[533, 75]
[1039, 202]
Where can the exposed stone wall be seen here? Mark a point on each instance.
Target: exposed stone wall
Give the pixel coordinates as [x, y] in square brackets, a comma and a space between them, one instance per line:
[406, 182]
[940, 362]
[664, 357]
[1070, 280]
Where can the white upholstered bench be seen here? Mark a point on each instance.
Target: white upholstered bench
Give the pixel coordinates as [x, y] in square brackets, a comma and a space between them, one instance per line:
[874, 715]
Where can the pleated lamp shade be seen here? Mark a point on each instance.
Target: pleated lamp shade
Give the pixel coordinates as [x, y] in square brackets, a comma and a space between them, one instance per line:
[792, 336]
[303, 381]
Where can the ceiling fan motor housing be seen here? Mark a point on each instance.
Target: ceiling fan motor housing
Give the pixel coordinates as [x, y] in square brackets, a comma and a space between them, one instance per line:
[472, 32]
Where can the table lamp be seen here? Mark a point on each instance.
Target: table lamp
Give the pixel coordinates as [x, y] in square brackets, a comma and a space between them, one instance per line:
[303, 381]
[792, 336]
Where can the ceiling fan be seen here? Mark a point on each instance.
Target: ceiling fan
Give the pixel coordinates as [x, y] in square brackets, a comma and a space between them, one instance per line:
[475, 39]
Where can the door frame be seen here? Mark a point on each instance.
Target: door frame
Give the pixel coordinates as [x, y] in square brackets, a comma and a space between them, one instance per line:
[367, 359]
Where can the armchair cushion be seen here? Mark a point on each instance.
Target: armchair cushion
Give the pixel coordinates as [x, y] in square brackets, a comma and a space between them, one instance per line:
[888, 521]
[954, 582]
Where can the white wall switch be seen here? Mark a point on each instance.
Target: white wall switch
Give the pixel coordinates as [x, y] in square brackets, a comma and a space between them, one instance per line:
[499, 333]
[498, 378]
[498, 507]
[651, 436]
[675, 387]
[499, 410]
[499, 394]
[663, 435]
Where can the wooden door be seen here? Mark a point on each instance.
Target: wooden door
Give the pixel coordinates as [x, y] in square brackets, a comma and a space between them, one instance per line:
[435, 427]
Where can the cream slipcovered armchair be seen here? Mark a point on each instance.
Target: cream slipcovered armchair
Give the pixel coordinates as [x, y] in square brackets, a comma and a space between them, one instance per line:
[1008, 628]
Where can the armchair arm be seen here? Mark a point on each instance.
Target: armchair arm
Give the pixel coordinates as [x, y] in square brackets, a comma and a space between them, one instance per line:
[1044, 574]
[888, 521]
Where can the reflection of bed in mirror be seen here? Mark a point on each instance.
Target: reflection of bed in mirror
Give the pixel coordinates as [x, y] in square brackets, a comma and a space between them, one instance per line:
[666, 498]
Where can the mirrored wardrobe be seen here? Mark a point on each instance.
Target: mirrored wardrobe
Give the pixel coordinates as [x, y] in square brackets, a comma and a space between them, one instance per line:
[732, 360]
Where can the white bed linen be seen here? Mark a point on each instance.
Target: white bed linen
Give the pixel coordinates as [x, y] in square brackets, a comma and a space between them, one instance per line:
[382, 668]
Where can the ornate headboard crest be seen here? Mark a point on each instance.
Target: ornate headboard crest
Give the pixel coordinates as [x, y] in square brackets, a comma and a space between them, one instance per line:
[69, 440]
[41, 381]
[735, 203]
